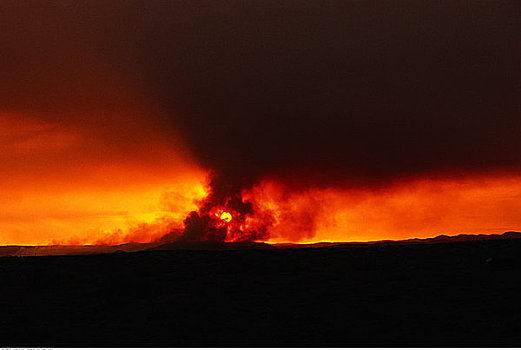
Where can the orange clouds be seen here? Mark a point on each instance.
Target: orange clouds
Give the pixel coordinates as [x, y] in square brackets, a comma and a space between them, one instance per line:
[418, 208]
[90, 215]
[70, 182]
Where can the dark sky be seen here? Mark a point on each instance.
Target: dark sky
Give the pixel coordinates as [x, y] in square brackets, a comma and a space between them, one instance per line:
[315, 92]
[347, 88]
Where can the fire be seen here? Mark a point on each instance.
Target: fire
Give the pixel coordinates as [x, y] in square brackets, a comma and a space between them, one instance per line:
[419, 208]
[273, 212]
[61, 185]
[225, 216]
[148, 207]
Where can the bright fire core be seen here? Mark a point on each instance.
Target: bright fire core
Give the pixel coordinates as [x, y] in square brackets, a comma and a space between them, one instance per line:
[225, 216]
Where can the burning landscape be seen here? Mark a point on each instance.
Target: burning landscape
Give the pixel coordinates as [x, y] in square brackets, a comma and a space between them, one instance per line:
[194, 159]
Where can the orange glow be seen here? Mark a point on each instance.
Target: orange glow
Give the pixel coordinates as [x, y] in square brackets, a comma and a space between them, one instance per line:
[97, 216]
[225, 216]
[61, 186]
[415, 209]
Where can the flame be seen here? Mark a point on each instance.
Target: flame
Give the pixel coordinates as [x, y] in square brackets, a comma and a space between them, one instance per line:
[225, 216]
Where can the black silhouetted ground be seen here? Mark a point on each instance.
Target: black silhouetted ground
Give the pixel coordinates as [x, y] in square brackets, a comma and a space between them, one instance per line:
[444, 294]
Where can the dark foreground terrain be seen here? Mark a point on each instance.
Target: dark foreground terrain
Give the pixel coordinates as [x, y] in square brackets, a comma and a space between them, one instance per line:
[458, 294]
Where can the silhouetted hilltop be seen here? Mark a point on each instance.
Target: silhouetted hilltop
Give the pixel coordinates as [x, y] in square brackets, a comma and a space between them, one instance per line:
[465, 237]
[136, 247]
[54, 250]
[437, 239]
[8, 250]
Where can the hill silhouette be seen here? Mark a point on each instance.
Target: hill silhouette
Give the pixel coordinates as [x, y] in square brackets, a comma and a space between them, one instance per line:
[187, 245]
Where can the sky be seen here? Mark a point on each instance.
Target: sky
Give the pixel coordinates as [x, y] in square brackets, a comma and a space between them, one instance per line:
[355, 120]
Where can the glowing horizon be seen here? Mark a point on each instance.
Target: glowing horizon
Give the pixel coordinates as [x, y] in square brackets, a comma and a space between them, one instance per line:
[144, 210]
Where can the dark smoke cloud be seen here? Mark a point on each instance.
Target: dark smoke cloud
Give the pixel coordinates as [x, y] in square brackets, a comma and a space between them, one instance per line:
[225, 194]
[344, 90]
[299, 89]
